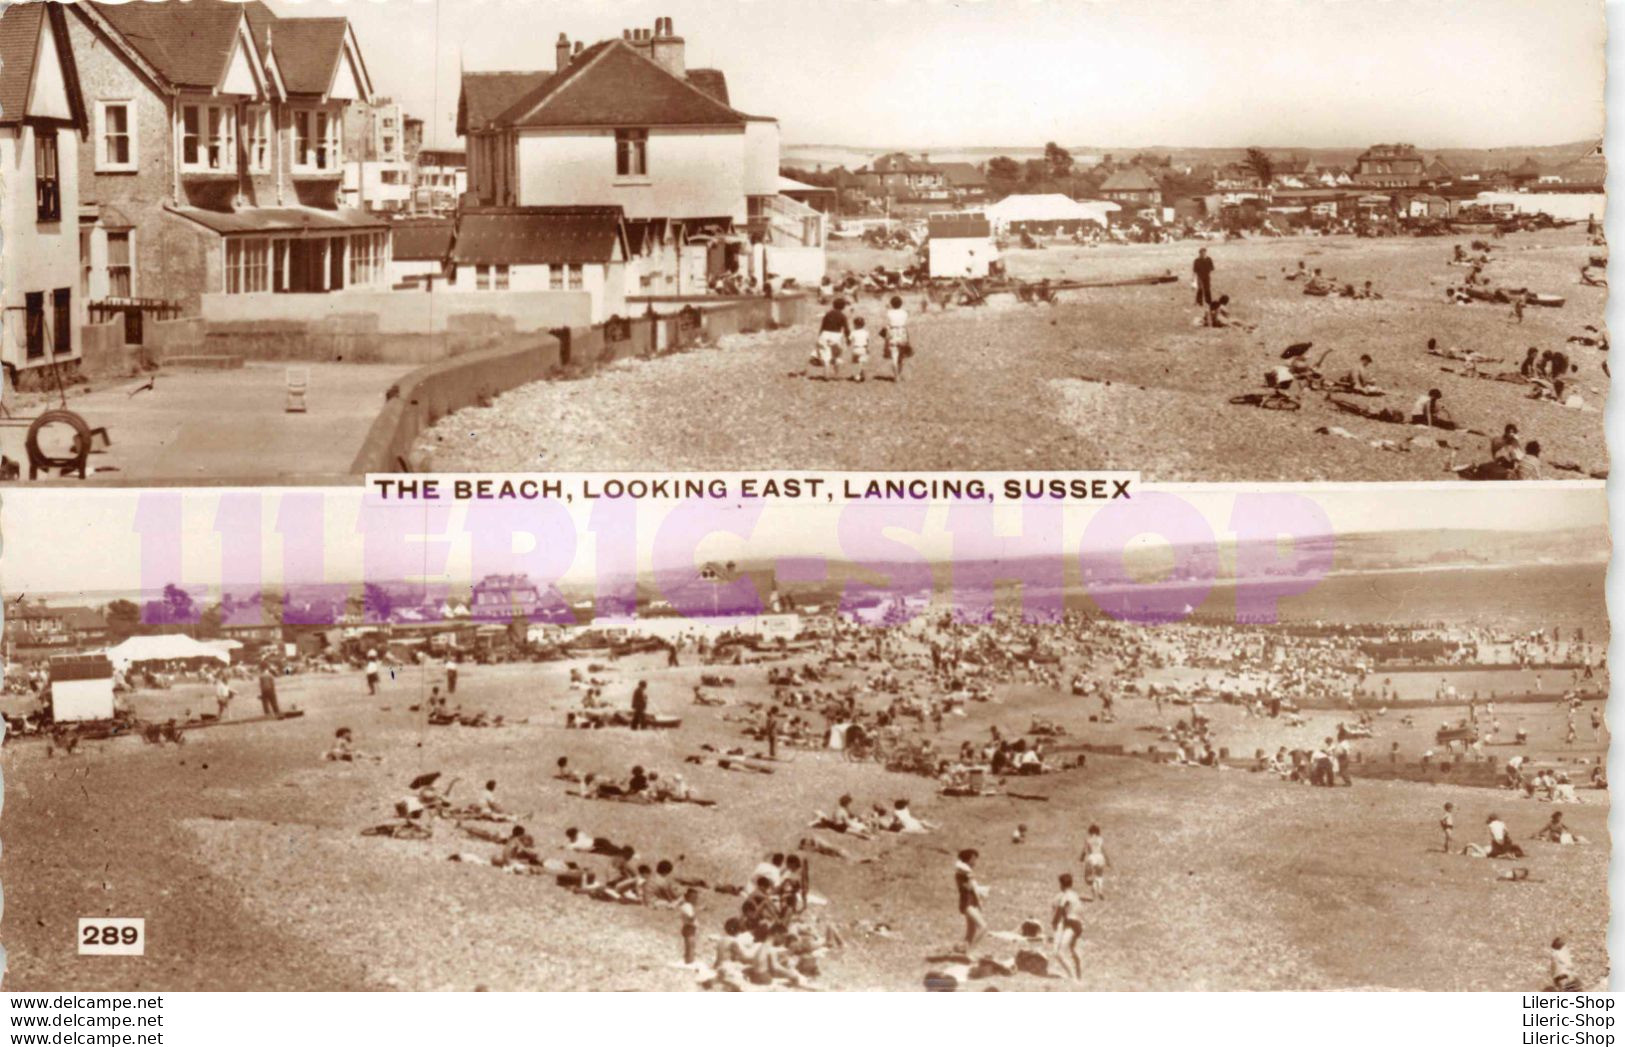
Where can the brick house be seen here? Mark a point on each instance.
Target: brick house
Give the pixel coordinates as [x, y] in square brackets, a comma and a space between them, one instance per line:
[901, 177]
[42, 117]
[1389, 166]
[214, 158]
[1132, 188]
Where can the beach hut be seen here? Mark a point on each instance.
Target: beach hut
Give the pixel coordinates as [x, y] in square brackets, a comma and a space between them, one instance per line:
[960, 245]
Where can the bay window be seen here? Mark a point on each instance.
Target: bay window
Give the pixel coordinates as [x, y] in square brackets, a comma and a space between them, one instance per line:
[366, 259]
[248, 265]
[315, 140]
[257, 138]
[209, 138]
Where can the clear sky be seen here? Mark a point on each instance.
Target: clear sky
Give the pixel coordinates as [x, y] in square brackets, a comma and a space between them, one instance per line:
[918, 73]
[95, 546]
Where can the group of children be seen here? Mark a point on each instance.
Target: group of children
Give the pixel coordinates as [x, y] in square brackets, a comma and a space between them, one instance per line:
[1066, 913]
[840, 335]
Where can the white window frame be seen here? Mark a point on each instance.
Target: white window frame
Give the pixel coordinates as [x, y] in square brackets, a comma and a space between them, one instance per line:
[103, 164]
[220, 138]
[258, 134]
[632, 152]
[107, 261]
[331, 140]
[248, 265]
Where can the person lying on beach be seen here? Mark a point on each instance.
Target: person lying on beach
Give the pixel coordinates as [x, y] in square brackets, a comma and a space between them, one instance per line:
[565, 773]
[344, 748]
[843, 820]
[904, 820]
[576, 840]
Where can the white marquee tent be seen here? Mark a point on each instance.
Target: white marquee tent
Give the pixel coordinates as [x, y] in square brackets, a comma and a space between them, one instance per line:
[171, 647]
[1046, 207]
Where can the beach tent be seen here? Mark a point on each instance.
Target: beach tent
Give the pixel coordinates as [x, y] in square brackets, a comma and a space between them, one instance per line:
[171, 647]
[1046, 209]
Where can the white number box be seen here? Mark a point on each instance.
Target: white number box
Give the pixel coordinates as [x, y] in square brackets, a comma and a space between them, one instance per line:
[112, 936]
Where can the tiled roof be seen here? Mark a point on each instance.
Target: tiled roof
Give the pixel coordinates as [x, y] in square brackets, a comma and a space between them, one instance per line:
[611, 85]
[963, 174]
[307, 51]
[711, 81]
[485, 96]
[537, 236]
[1128, 180]
[280, 219]
[188, 43]
[19, 39]
[423, 240]
[20, 29]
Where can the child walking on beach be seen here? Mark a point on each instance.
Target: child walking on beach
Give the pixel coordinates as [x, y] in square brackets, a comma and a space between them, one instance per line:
[859, 348]
[691, 926]
[1067, 921]
[1448, 824]
[1094, 863]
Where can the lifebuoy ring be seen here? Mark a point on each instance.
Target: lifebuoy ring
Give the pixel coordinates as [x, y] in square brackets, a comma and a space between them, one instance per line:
[75, 462]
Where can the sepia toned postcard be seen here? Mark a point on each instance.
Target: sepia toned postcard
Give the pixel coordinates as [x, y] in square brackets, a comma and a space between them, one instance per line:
[1132, 745]
[301, 246]
[811, 496]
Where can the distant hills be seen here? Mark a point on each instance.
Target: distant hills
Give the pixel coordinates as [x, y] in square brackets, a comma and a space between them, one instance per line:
[850, 157]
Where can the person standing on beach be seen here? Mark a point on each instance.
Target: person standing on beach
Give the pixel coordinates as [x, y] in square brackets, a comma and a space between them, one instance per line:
[640, 706]
[268, 692]
[451, 673]
[971, 897]
[1203, 268]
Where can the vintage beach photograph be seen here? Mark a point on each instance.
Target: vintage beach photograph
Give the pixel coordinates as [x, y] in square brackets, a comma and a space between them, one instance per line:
[275, 243]
[1169, 759]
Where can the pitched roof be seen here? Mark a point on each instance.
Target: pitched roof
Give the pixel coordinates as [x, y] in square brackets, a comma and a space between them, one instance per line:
[612, 85]
[1128, 179]
[20, 29]
[422, 240]
[539, 236]
[19, 40]
[902, 163]
[963, 174]
[486, 96]
[307, 51]
[187, 43]
[711, 81]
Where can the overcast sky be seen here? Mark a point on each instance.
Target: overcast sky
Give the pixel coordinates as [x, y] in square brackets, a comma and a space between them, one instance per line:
[1439, 73]
[96, 546]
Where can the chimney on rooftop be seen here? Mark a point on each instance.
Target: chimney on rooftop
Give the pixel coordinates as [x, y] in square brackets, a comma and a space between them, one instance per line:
[561, 53]
[667, 49]
[576, 52]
